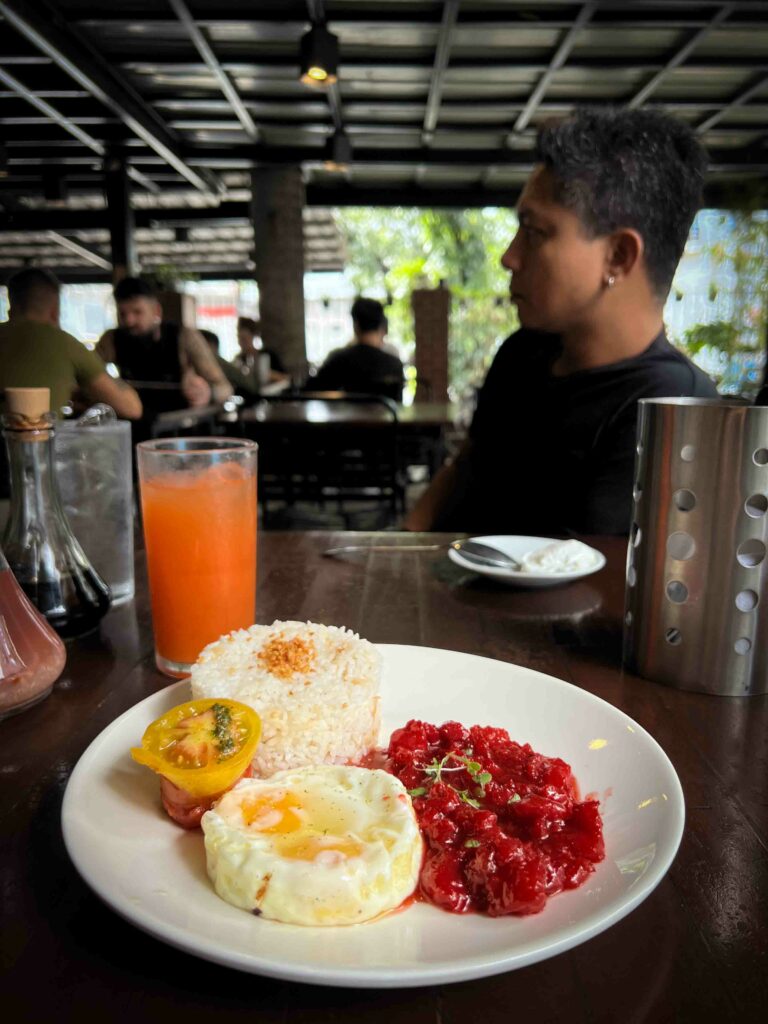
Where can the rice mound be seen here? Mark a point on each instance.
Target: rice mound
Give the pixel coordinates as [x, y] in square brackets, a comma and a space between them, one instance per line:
[315, 687]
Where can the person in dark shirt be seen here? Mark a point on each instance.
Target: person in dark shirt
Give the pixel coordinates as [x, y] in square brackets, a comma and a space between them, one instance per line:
[603, 221]
[146, 348]
[364, 366]
[251, 352]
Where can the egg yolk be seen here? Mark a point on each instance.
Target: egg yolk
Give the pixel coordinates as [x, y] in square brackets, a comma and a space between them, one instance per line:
[297, 838]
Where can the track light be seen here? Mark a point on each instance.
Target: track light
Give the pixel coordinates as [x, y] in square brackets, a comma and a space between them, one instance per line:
[337, 155]
[319, 52]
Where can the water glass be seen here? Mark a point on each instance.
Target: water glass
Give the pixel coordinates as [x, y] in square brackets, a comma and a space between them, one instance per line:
[95, 480]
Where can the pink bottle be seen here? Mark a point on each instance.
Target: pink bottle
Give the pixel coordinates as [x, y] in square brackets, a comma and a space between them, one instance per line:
[31, 655]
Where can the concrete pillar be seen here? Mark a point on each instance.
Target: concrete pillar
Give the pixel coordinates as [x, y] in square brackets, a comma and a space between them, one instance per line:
[178, 308]
[277, 206]
[117, 190]
[431, 307]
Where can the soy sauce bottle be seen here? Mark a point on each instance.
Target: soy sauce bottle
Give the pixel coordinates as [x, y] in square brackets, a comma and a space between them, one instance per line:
[41, 549]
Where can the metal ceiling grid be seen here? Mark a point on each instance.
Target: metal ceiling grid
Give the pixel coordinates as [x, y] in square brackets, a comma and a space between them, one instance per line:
[440, 100]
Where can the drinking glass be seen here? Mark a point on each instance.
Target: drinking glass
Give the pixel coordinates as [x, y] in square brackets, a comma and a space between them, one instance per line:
[95, 478]
[198, 500]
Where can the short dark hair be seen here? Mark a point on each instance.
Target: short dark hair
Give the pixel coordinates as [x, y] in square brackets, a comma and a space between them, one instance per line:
[628, 168]
[246, 323]
[368, 315]
[133, 288]
[31, 288]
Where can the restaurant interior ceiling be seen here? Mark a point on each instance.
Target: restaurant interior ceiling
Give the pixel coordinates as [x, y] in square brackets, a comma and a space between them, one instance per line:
[435, 104]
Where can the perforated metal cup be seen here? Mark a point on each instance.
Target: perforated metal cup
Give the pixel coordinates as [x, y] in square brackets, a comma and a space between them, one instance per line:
[696, 612]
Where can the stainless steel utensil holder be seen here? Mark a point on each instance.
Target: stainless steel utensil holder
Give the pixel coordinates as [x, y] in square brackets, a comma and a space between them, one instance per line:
[696, 612]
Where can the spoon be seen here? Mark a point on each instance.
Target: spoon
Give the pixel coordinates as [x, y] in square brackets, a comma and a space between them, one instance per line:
[484, 554]
[471, 550]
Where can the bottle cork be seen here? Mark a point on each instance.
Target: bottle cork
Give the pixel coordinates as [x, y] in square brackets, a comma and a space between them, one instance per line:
[31, 403]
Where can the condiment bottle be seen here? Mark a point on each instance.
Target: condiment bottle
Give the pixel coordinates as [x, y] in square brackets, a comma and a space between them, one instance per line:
[31, 655]
[41, 549]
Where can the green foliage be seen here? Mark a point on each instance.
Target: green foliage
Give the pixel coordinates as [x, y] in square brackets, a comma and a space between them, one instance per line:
[391, 252]
[740, 276]
[166, 276]
[720, 335]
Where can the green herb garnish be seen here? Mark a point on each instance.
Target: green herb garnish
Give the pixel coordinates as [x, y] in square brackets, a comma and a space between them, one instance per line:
[436, 769]
[470, 843]
[464, 795]
[222, 730]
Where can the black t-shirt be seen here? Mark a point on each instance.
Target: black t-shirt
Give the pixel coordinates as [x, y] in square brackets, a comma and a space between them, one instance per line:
[361, 368]
[556, 454]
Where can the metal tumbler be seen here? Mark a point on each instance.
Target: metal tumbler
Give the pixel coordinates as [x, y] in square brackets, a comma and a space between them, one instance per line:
[696, 614]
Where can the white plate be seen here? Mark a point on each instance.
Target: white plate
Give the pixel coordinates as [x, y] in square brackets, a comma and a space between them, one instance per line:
[153, 873]
[517, 547]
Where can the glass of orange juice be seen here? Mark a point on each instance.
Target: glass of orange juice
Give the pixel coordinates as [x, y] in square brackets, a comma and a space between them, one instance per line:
[198, 502]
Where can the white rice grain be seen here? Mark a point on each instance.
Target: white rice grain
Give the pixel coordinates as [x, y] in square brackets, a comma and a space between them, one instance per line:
[320, 705]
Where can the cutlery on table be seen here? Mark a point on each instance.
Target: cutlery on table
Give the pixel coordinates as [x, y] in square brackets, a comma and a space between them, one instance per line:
[471, 550]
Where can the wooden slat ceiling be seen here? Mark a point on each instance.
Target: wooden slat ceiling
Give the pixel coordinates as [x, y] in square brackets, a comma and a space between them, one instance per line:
[440, 100]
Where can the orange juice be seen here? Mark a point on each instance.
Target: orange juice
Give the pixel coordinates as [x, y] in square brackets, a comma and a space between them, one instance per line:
[200, 534]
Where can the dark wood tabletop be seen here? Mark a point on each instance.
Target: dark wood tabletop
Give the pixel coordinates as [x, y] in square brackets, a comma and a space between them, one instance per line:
[695, 950]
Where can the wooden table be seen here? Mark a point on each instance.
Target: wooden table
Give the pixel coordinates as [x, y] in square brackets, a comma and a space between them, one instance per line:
[695, 950]
[340, 412]
[420, 428]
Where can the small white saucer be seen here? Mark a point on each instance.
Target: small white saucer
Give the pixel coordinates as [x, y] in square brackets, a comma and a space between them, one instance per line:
[517, 547]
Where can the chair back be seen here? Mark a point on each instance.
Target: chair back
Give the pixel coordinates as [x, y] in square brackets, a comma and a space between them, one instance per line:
[322, 446]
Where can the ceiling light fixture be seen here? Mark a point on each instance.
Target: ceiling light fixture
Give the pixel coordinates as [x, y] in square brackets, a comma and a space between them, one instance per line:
[319, 54]
[337, 154]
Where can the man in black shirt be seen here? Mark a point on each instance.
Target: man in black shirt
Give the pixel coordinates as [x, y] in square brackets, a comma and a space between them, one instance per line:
[603, 221]
[364, 366]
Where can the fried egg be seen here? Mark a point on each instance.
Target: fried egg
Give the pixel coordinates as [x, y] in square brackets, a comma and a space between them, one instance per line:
[324, 845]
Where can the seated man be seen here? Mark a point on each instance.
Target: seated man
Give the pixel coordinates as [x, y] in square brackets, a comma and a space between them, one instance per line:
[145, 348]
[245, 384]
[364, 366]
[603, 221]
[35, 352]
[251, 351]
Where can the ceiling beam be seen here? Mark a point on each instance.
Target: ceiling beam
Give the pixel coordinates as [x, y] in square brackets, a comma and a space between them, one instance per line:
[442, 54]
[365, 15]
[458, 156]
[738, 101]
[266, 63]
[79, 250]
[50, 112]
[41, 25]
[559, 58]
[680, 55]
[69, 126]
[64, 220]
[204, 49]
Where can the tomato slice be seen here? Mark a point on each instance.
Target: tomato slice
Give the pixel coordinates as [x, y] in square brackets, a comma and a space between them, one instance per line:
[201, 749]
[187, 810]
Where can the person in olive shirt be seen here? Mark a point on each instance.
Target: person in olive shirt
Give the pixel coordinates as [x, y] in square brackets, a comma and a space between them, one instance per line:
[603, 220]
[36, 352]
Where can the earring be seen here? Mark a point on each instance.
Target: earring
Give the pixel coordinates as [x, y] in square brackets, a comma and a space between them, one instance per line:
[611, 281]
